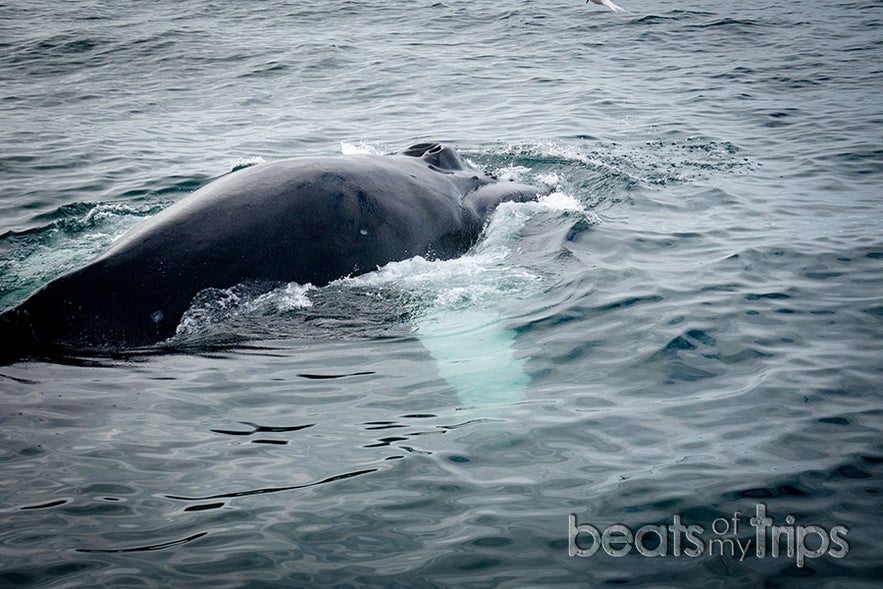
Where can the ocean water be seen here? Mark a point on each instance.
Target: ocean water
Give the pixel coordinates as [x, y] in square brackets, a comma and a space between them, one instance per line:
[687, 331]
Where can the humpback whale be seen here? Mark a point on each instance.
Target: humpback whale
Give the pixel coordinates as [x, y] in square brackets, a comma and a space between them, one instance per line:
[306, 220]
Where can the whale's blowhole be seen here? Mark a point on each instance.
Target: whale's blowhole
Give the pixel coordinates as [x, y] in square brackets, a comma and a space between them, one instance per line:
[438, 156]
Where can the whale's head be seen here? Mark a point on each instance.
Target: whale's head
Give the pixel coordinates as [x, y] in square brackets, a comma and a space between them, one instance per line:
[438, 156]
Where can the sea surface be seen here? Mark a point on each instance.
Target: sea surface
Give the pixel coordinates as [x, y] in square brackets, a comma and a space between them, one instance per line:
[687, 332]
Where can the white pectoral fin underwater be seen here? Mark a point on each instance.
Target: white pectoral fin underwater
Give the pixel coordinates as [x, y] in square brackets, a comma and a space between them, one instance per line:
[475, 353]
[466, 312]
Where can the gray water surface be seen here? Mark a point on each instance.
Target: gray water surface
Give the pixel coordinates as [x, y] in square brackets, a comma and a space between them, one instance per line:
[689, 326]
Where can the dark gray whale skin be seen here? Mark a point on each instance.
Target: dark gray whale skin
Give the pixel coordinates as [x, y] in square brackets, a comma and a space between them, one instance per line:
[306, 220]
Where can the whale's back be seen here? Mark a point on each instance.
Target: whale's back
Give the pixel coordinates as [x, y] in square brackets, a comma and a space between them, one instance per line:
[310, 220]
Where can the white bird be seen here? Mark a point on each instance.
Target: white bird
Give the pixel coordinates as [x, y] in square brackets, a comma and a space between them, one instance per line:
[608, 4]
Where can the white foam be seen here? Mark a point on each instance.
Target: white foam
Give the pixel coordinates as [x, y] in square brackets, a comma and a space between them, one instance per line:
[561, 201]
[361, 148]
[549, 179]
[483, 273]
[511, 173]
[291, 297]
[246, 162]
[105, 211]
